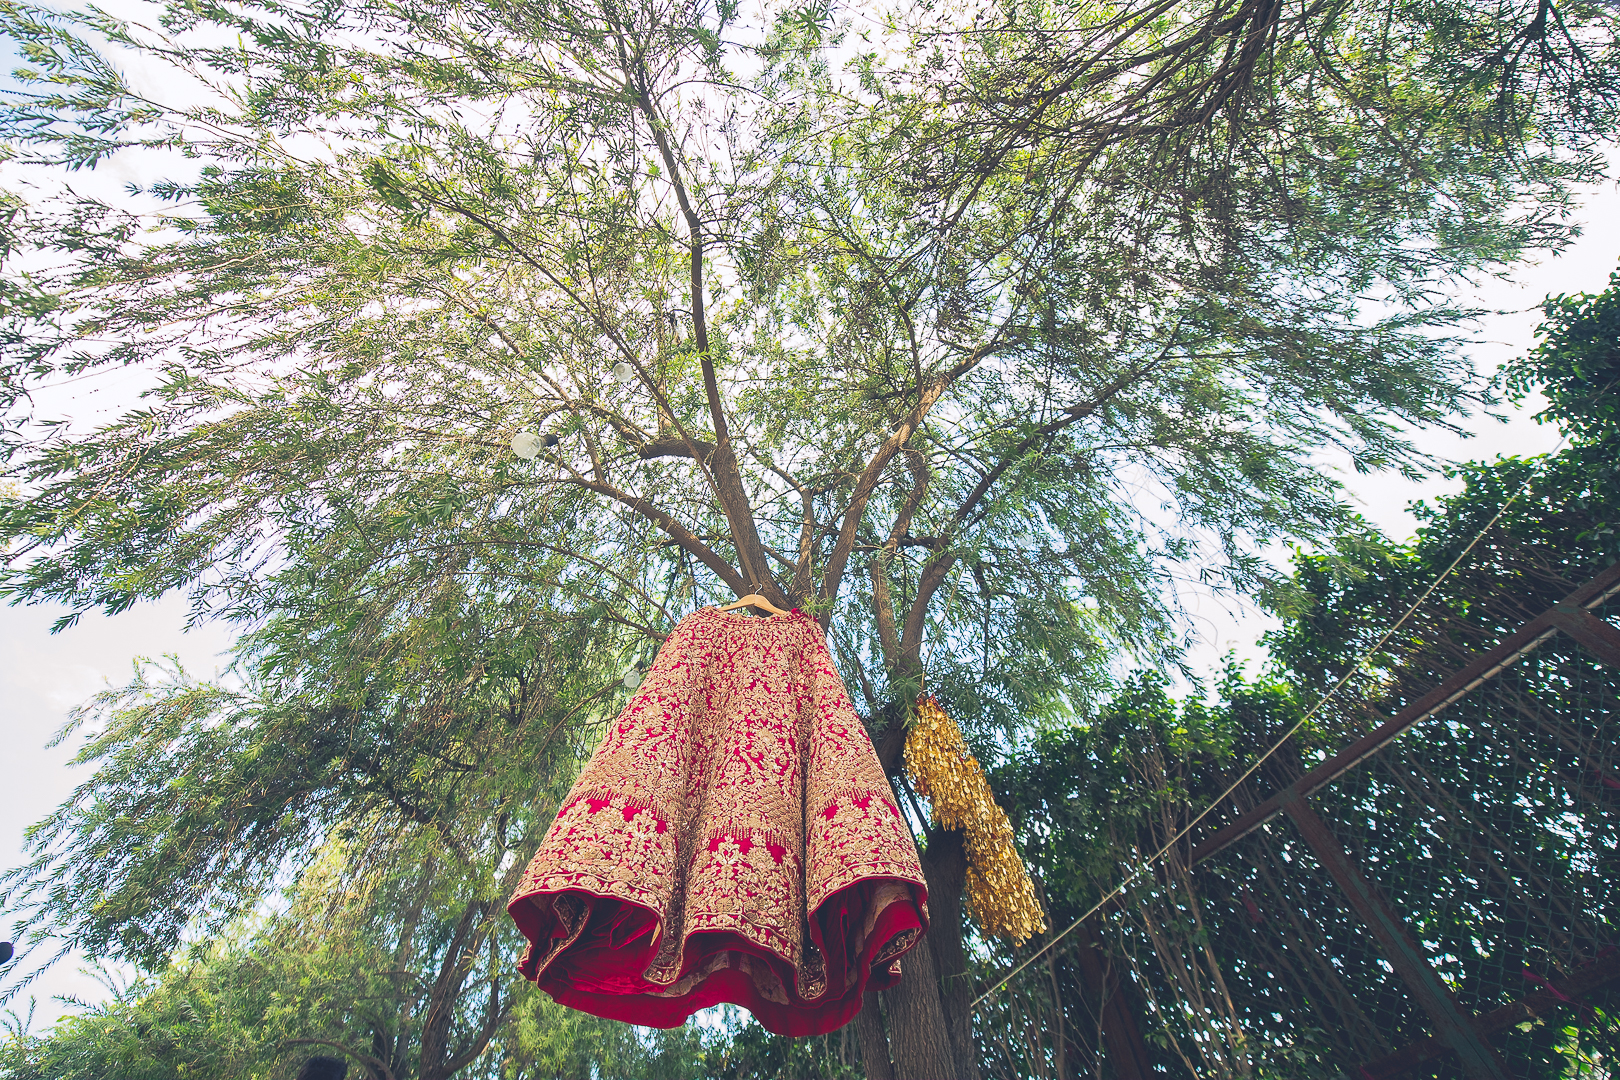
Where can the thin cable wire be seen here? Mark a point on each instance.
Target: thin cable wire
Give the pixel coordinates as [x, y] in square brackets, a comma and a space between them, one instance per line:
[1001, 983]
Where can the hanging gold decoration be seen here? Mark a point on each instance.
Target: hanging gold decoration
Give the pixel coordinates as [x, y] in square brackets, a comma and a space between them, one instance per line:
[1000, 895]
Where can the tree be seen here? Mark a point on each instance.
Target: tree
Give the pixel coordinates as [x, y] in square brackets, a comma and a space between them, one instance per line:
[1577, 366]
[1191, 949]
[888, 342]
[358, 974]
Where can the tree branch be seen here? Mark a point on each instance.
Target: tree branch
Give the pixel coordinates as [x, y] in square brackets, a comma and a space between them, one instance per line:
[919, 487]
[677, 532]
[601, 323]
[888, 638]
[928, 582]
[667, 446]
[453, 969]
[1071, 415]
[727, 476]
[935, 573]
[494, 1016]
[800, 589]
[874, 470]
[378, 1067]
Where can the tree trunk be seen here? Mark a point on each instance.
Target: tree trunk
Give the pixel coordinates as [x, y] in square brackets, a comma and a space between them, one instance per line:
[930, 1022]
[1122, 1040]
[945, 865]
[919, 1042]
[874, 1043]
[467, 939]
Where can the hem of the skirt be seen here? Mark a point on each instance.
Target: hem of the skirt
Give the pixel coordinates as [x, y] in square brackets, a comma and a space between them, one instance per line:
[652, 1006]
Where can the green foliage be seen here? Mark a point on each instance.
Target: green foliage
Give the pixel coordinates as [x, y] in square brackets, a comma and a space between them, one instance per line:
[1553, 534]
[1092, 802]
[1577, 364]
[1543, 526]
[351, 972]
[746, 1051]
[1474, 825]
[993, 328]
[376, 276]
[336, 972]
[385, 723]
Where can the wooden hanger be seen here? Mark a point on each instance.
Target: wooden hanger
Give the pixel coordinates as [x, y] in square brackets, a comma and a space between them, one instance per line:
[753, 599]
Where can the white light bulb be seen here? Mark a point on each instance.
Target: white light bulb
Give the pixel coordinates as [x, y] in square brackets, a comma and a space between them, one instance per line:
[632, 679]
[526, 445]
[623, 372]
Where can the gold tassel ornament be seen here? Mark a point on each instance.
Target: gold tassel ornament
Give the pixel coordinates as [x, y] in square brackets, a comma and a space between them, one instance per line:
[1000, 895]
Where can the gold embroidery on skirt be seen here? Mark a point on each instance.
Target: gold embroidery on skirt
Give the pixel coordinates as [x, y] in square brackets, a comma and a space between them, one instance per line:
[736, 792]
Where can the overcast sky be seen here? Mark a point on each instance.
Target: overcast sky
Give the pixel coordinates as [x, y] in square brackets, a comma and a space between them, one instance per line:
[43, 676]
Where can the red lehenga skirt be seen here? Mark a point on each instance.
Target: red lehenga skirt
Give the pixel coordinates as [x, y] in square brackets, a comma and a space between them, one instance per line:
[733, 839]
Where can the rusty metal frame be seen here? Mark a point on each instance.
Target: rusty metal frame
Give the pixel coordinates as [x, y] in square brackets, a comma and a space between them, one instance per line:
[1453, 1024]
[1591, 631]
[1456, 1029]
[1571, 615]
[1122, 1039]
[1583, 980]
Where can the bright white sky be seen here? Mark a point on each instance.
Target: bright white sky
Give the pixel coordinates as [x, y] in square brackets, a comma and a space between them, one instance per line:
[1385, 499]
[42, 676]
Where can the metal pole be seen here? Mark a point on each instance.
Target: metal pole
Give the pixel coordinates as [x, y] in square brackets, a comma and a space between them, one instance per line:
[1453, 1025]
[1570, 614]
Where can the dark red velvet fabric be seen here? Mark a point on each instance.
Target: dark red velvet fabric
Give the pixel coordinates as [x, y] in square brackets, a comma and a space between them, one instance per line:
[600, 973]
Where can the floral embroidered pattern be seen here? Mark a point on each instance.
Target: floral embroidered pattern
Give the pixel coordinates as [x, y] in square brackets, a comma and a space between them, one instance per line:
[733, 839]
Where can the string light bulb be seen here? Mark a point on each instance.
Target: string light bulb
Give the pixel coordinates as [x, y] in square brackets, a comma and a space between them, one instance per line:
[526, 445]
[624, 372]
